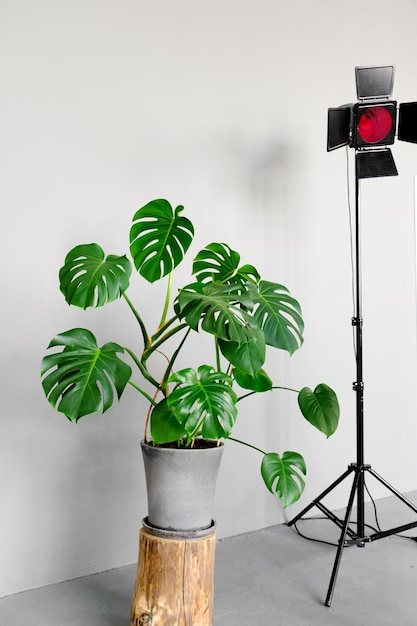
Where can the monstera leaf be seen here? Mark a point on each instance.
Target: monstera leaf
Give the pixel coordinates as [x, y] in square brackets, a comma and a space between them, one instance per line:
[164, 425]
[203, 402]
[249, 356]
[220, 310]
[217, 262]
[283, 475]
[258, 382]
[159, 239]
[82, 378]
[88, 279]
[278, 314]
[320, 407]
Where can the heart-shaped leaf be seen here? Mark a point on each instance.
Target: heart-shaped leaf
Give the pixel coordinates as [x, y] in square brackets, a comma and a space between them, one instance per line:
[259, 382]
[320, 407]
[164, 425]
[283, 475]
[247, 357]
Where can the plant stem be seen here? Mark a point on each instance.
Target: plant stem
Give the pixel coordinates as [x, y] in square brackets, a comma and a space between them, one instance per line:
[167, 300]
[148, 415]
[161, 340]
[146, 341]
[172, 361]
[163, 328]
[287, 389]
[142, 369]
[218, 364]
[146, 395]
[249, 445]
[251, 393]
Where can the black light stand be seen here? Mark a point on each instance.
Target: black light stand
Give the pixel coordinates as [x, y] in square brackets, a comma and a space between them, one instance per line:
[358, 536]
[348, 535]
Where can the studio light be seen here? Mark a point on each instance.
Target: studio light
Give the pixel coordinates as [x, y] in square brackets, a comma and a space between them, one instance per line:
[370, 125]
[374, 125]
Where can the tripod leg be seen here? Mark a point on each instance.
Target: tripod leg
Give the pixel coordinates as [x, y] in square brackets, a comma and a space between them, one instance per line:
[322, 495]
[397, 529]
[342, 539]
[393, 490]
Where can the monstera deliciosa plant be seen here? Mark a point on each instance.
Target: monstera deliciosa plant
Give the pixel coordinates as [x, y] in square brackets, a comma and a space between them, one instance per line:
[242, 312]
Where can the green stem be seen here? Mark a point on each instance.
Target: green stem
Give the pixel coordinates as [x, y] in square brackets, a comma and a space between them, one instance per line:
[155, 346]
[167, 300]
[163, 328]
[251, 393]
[249, 445]
[146, 395]
[143, 369]
[146, 341]
[218, 364]
[287, 389]
[172, 361]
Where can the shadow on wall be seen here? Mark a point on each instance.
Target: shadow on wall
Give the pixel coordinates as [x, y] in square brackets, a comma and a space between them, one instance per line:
[266, 176]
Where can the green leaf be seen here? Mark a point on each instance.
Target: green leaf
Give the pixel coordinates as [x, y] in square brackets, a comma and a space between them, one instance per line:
[217, 262]
[278, 314]
[283, 475]
[249, 356]
[220, 310]
[320, 407]
[259, 382]
[88, 279]
[82, 377]
[164, 425]
[159, 239]
[204, 402]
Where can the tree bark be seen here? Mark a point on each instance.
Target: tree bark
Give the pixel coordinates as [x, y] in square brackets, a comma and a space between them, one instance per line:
[174, 581]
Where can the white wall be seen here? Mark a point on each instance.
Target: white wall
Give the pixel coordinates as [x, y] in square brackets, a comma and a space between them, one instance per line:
[220, 106]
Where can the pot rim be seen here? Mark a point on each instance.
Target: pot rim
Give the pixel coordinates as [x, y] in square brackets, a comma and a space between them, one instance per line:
[148, 444]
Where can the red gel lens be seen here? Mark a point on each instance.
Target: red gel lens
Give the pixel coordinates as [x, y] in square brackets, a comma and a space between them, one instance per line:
[375, 124]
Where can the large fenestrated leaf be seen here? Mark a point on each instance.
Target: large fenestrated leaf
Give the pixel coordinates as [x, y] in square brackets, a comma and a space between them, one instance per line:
[219, 309]
[204, 402]
[278, 314]
[283, 475]
[320, 407]
[159, 239]
[89, 279]
[83, 378]
[217, 262]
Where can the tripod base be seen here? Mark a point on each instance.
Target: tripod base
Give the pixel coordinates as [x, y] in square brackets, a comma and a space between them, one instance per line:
[349, 536]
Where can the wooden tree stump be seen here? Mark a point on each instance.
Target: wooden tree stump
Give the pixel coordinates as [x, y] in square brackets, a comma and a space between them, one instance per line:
[175, 580]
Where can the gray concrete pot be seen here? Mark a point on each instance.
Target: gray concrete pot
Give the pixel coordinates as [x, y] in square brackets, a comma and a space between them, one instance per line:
[181, 485]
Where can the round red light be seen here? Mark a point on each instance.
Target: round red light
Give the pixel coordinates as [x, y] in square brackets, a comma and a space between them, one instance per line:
[374, 124]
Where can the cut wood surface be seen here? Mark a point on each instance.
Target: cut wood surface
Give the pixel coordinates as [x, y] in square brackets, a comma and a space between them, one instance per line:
[174, 581]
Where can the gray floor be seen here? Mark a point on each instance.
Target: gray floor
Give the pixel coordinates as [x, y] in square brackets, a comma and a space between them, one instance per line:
[272, 577]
